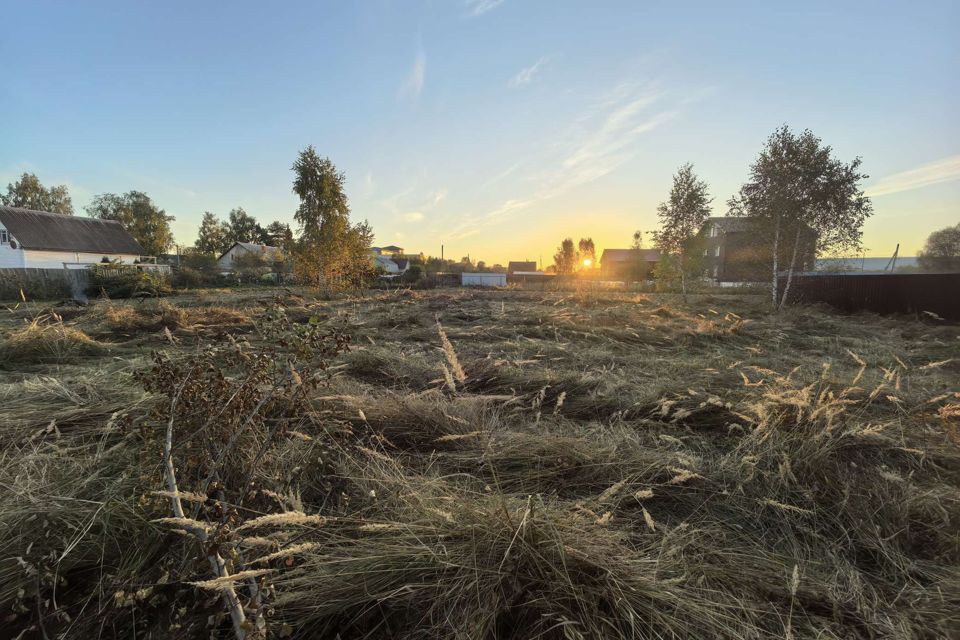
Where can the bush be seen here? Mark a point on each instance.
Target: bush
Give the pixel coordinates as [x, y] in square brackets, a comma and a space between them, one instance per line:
[125, 282]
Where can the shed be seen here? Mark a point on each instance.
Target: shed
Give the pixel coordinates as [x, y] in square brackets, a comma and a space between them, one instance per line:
[483, 279]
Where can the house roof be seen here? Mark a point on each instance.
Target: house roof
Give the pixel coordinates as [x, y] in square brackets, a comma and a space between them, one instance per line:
[391, 247]
[57, 232]
[269, 253]
[624, 255]
[521, 265]
[729, 224]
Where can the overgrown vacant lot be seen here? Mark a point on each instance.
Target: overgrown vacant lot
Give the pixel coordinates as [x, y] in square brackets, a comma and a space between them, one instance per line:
[477, 465]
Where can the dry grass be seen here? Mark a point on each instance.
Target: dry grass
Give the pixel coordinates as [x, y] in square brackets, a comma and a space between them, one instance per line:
[508, 465]
[46, 341]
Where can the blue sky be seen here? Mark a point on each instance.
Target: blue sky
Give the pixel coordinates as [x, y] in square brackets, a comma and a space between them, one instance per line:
[493, 127]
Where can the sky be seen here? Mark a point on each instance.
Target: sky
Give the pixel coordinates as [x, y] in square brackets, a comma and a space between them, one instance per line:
[493, 128]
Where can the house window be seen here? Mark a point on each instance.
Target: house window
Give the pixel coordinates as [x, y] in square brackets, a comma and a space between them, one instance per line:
[4, 236]
[714, 231]
[716, 252]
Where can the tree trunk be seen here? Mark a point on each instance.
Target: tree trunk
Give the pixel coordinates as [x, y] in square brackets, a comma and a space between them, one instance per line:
[683, 279]
[776, 259]
[793, 263]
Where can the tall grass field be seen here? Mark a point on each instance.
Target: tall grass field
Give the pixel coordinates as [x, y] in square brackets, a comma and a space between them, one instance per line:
[484, 465]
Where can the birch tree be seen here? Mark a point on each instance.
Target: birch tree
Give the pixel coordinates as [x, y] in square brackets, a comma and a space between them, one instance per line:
[681, 217]
[801, 196]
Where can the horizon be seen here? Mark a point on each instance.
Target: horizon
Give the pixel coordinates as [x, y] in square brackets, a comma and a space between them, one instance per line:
[570, 126]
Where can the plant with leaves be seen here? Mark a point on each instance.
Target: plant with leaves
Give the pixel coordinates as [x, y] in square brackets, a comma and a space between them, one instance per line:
[278, 234]
[637, 242]
[213, 236]
[803, 199]
[941, 251]
[243, 227]
[565, 259]
[332, 253]
[29, 193]
[146, 222]
[681, 217]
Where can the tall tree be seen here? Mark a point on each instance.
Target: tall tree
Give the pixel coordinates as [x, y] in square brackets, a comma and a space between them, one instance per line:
[331, 253]
[213, 236]
[681, 217]
[565, 259]
[637, 240]
[321, 190]
[29, 193]
[587, 252]
[243, 227]
[798, 189]
[942, 250]
[146, 222]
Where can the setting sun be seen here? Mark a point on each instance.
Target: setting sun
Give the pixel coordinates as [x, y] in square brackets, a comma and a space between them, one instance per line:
[587, 262]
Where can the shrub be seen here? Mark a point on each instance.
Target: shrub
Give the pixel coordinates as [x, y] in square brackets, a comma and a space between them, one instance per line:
[125, 282]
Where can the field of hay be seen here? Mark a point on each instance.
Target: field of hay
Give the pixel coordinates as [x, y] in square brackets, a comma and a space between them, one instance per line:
[457, 464]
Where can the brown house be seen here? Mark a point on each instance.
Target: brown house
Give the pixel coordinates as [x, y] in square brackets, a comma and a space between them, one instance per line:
[525, 266]
[736, 250]
[630, 265]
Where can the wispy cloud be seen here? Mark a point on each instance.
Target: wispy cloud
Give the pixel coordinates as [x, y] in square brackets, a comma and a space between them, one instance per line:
[413, 216]
[480, 7]
[601, 139]
[944, 170]
[412, 86]
[526, 75]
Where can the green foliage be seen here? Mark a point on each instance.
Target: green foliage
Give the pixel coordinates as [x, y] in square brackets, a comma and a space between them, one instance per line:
[146, 222]
[243, 228]
[29, 193]
[278, 234]
[214, 235]
[332, 253]
[942, 250]
[681, 216]
[122, 281]
[797, 186]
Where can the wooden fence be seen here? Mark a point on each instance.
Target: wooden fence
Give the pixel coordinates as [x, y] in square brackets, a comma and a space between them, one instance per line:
[937, 293]
[42, 284]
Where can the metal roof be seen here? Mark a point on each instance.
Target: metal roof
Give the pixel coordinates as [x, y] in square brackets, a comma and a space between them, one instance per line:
[268, 252]
[40, 230]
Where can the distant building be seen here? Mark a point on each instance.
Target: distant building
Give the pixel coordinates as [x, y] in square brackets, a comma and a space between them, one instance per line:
[735, 251]
[485, 279]
[391, 265]
[525, 266]
[38, 239]
[630, 265]
[269, 255]
[391, 250]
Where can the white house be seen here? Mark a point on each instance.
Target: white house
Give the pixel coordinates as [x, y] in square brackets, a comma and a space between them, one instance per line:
[37, 239]
[390, 264]
[268, 254]
[483, 279]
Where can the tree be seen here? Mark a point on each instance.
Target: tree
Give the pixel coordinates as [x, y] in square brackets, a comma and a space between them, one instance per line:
[213, 236]
[147, 223]
[637, 240]
[29, 193]
[331, 252]
[278, 234]
[942, 250]
[681, 217]
[320, 186]
[565, 260]
[798, 189]
[243, 227]
[587, 252]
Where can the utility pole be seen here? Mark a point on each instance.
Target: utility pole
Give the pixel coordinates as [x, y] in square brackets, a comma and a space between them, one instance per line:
[441, 253]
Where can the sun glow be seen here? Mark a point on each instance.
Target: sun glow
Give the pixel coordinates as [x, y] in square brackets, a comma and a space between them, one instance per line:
[587, 262]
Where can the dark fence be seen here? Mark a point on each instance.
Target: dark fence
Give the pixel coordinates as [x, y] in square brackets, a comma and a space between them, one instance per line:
[937, 293]
[42, 284]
